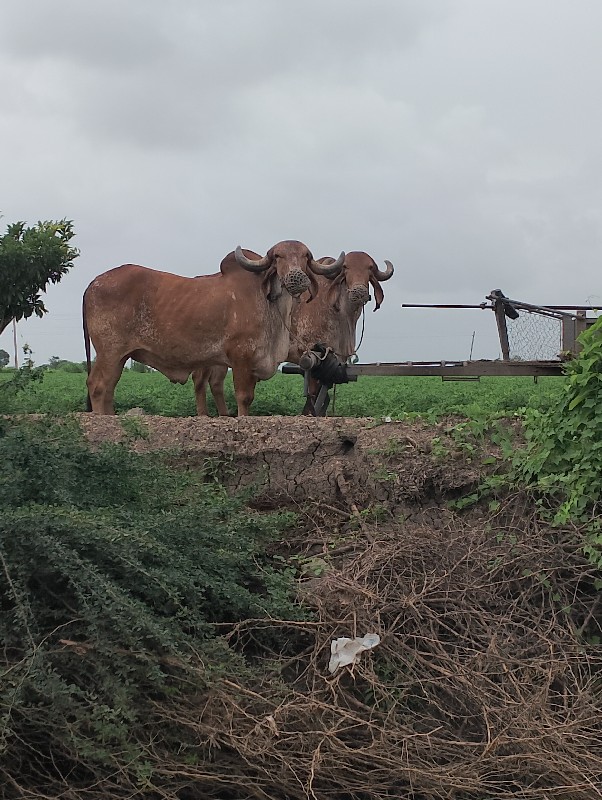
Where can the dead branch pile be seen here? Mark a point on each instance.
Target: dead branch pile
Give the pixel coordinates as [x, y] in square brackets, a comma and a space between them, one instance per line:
[486, 685]
[487, 682]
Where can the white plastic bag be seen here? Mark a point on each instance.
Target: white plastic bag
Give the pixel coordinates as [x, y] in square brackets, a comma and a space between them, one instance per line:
[344, 651]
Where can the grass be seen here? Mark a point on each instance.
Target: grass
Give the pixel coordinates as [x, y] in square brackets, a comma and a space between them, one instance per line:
[61, 392]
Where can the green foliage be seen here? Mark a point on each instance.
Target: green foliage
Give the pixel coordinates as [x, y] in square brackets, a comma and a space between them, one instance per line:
[561, 463]
[66, 366]
[30, 259]
[72, 366]
[134, 427]
[283, 394]
[470, 435]
[114, 571]
[18, 381]
[138, 366]
[4, 358]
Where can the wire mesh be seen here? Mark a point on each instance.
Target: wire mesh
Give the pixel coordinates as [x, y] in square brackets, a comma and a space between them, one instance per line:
[534, 337]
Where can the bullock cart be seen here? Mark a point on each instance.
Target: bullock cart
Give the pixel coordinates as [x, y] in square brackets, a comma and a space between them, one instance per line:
[534, 341]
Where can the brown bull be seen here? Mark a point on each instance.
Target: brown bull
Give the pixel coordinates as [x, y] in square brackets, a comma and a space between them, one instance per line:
[331, 318]
[239, 317]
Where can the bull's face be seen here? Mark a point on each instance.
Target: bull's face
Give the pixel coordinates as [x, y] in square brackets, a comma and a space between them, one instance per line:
[358, 273]
[290, 260]
[289, 265]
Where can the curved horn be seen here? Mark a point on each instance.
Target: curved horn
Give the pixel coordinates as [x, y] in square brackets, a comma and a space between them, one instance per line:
[329, 271]
[383, 276]
[250, 264]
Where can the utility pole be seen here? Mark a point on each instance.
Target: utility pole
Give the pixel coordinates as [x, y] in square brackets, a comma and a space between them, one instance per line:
[15, 344]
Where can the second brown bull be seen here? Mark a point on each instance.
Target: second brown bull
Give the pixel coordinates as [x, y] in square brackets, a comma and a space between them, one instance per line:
[343, 291]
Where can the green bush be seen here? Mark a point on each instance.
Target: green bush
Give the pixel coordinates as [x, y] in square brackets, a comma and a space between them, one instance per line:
[15, 383]
[115, 570]
[138, 366]
[561, 463]
[72, 366]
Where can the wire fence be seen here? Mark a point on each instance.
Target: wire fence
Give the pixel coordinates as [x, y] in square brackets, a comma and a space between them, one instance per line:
[534, 337]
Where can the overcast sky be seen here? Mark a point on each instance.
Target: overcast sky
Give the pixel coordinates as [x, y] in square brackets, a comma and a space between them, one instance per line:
[460, 139]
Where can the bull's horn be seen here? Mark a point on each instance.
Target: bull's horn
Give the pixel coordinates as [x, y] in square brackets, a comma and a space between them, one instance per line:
[330, 271]
[251, 264]
[383, 276]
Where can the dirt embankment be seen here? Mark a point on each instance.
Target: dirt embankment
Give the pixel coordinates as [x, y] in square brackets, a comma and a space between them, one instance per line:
[303, 458]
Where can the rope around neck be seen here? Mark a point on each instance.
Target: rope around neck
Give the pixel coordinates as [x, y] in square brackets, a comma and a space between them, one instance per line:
[354, 358]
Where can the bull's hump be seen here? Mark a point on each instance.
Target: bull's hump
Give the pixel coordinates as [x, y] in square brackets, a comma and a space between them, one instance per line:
[229, 262]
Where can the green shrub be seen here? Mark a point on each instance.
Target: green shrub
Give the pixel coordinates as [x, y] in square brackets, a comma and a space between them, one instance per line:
[17, 382]
[72, 367]
[561, 463]
[114, 571]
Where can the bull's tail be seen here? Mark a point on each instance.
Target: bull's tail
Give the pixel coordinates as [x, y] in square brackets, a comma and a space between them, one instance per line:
[87, 346]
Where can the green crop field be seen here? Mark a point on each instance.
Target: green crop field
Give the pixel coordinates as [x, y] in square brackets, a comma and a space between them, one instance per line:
[62, 392]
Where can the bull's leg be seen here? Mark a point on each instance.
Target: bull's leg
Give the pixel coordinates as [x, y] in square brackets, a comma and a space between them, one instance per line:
[244, 388]
[308, 408]
[102, 381]
[314, 388]
[199, 378]
[217, 376]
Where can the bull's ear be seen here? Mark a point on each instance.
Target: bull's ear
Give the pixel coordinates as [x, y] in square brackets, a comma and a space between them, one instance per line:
[334, 291]
[272, 289]
[379, 295]
[275, 287]
[313, 286]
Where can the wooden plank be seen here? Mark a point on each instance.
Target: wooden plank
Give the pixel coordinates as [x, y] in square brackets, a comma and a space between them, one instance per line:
[477, 368]
[502, 329]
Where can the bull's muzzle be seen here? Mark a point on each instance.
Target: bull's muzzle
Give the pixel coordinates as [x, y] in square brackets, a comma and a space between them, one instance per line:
[359, 295]
[295, 282]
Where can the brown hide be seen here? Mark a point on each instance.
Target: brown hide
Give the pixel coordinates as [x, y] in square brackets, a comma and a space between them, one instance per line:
[331, 318]
[178, 325]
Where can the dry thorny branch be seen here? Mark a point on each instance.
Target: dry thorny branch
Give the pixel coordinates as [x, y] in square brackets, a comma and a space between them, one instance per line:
[486, 684]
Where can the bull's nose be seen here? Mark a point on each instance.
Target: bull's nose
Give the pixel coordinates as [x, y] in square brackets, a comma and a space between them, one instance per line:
[359, 294]
[296, 282]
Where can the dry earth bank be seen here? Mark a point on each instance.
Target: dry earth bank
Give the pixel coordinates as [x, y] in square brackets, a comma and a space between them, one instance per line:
[302, 458]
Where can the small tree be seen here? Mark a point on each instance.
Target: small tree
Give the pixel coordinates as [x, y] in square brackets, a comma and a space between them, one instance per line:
[4, 358]
[30, 259]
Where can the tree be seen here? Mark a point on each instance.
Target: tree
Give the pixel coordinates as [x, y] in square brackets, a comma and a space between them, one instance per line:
[4, 358]
[30, 259]
[138, 366]
[55, 362]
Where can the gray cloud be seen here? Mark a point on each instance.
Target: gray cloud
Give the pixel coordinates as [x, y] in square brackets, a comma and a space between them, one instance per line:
[179, 75]
[460, 140]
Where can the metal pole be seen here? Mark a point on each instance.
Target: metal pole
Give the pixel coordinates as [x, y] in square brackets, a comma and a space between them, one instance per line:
[429, 305]
[15, 343]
